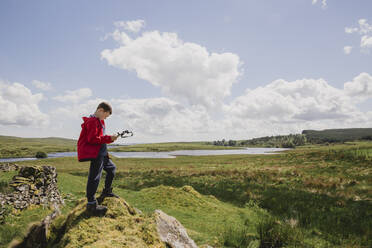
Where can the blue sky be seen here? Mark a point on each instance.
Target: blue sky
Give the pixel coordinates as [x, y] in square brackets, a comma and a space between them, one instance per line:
[301, 43]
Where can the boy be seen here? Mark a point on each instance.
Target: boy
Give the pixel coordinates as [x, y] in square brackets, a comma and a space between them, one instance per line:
[92, 146]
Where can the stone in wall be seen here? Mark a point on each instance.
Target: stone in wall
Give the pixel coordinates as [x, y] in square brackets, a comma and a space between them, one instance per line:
[9, 167]
[33, 185]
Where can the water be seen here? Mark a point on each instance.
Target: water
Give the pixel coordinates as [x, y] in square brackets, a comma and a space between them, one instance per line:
[196, 153]
[172, 154]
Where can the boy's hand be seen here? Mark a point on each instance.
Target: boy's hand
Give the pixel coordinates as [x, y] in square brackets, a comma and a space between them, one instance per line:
[114, 137]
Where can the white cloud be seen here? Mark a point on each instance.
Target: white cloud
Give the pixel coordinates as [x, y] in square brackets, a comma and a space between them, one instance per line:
[163, 116]
[283, 107]
[20, 106]
[280, 107]
[74, 96]
[351, 30]
[77, 110]
[364, 26]
[363, 30]
[360, 88]
[366, 42]
[301, 100]
[324, 3]
[151, 119]
[347, 49]
[133, 26]
[182, 69]
[42, 85]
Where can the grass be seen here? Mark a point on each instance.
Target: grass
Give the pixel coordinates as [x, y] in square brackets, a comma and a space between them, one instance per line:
[15, 147]
[120, 227]
[5, 178]
[170, 146]
[307, 197]
[17, 223]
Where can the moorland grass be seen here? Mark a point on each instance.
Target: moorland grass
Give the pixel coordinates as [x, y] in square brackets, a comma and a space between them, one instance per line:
[5, 178]
[15, 147]
[170, 146]
[315, 200]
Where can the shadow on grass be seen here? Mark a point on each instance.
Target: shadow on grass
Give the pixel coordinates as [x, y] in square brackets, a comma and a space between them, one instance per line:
[335, 218]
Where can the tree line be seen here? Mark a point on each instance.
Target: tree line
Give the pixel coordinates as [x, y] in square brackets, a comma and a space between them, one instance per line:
[280, 141]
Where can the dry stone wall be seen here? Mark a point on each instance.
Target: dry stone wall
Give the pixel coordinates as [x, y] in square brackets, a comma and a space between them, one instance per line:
[33, 185]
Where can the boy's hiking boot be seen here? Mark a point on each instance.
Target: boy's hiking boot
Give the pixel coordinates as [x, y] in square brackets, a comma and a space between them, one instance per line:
[95, 209]
[106, 193]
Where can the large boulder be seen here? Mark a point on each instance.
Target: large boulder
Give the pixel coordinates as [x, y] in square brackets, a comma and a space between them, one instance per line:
[172, 232]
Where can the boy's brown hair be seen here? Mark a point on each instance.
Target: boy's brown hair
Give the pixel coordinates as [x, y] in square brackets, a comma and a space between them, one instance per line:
[105, 106]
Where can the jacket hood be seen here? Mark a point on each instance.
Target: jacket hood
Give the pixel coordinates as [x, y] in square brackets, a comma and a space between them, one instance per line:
[91, 118]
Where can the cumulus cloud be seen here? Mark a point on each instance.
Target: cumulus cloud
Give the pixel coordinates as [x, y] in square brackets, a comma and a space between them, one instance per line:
[347, 49]
[301, 100]
[360, 87]
[280, 107]
[151, 119]
[182, 69]
[76, 111]
[365, 31]
[283, 107]
[20, 106]
[163, 116]
[133, 26]
[42, 85]
[74, 96]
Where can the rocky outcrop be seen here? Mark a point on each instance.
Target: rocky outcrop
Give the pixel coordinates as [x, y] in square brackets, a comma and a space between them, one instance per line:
[121, 226]
[33, 185]
[172, 232]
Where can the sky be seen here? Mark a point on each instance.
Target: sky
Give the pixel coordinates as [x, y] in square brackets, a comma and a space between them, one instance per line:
[185, 70]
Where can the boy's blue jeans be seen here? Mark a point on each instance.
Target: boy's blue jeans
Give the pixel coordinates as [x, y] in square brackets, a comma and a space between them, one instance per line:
[95, 172]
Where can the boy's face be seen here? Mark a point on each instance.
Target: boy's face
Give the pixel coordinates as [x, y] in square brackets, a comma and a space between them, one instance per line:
[101, 114]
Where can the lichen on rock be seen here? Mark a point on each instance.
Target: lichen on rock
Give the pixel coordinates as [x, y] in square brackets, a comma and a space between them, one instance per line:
[33, 185]
[172, 232]
[9, 167]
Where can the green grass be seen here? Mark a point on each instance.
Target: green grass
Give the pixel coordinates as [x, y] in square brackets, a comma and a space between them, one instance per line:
[17, 223]
[299, 198]
[15, 147]
[5, 178]
[169, 146]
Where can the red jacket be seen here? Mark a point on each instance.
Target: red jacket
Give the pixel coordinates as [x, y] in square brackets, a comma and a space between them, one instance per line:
[91, 138]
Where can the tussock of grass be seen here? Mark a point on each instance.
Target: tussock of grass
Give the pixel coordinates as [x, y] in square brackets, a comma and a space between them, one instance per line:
[120, 227]
[239, 236]
[274, 234]
[204, 216]
[5, 178]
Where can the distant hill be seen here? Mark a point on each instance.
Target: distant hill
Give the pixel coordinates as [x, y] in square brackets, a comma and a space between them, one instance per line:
[45, 141]
[338, 135]
[11, 146]
[307, 137]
